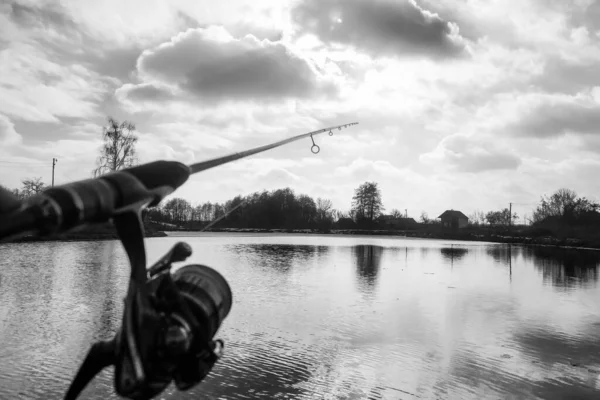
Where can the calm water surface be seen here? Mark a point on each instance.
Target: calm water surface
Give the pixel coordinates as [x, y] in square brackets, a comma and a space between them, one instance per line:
[326, 317]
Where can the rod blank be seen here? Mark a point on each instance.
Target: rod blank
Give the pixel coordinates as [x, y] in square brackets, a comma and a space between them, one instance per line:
[204, 165]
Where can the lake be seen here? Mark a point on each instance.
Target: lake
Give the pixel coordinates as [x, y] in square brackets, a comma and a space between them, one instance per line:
[325, 317]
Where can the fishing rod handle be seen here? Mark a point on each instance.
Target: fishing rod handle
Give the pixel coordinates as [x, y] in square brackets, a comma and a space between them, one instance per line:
[62, 208]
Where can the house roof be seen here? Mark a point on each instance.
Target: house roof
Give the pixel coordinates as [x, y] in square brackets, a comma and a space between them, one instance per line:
[453, 214]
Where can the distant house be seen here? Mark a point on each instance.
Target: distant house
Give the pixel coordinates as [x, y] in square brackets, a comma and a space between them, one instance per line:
[391, 222]
[454, 219]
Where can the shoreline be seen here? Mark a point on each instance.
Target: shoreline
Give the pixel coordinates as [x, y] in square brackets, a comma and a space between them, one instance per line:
[463, 236]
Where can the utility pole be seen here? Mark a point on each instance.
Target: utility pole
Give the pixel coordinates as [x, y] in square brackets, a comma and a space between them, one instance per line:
[405, 213]
[54, 161]
[510, 215]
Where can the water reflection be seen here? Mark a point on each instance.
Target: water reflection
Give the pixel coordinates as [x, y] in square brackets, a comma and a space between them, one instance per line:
[301, 326]
[112, 306]
[278, 257]
[564, 267]
[453, 253]
[502, 254]
[368, 261]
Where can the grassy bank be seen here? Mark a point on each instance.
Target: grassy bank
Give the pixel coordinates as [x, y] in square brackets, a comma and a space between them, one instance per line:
[517, 235]
[102, 232]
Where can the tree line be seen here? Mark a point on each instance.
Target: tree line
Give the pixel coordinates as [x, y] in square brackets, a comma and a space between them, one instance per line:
[563, 207]
[281, 208]
[277, 209]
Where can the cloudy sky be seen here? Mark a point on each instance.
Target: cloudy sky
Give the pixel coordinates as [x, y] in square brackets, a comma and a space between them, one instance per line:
[467, 104]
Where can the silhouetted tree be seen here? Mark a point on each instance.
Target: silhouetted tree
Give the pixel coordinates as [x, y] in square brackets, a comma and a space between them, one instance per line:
[30, 187]
[501, 218]
[118, 151]
[396, 213]
[179, 210]
[366, 203]
[477, 218]
[325, 213]
[563, 204]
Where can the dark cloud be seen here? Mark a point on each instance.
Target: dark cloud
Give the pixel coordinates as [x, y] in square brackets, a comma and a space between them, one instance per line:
[117, 62]
[379, 27]
[487, 162]
[145, 91]
[209, 63]
[42, 15]
[65, 41]
[567, 77]
[578, 13]
[551, 119]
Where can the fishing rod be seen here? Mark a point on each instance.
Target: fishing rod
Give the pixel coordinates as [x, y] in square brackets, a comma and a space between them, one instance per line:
[65, 208]
[170, 317]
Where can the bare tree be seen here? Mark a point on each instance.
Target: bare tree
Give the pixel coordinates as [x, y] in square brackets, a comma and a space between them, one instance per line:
[564, 203]
[477, 218]
[396, 213]
[324, 213]
[30, 187]
[501, 218]
[366, 203]
[324, 209]
[424, 218]
[118, 150]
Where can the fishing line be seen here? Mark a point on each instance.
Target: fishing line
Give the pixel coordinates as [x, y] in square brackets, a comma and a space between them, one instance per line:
[224, 215]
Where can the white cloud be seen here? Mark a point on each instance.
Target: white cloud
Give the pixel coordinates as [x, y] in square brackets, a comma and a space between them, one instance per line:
[37, 89]
[8, 134]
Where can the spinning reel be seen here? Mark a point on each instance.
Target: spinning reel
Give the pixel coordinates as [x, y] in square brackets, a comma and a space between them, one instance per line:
[169, 321]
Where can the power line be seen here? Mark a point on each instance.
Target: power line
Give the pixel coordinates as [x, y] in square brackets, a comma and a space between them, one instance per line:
[23, 166]
[22, 163]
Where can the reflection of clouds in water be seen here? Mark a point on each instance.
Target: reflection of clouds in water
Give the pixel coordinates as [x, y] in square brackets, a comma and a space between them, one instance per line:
[269, 369]
[62, 293]
[564, 267]
[577, 357]
[368, 262]
[550, 346]
[473, 376]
